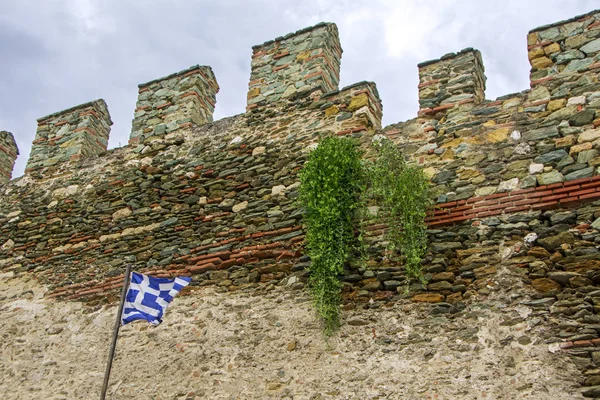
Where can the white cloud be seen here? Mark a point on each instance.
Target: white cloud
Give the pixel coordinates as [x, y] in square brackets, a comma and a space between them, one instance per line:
[410, 25]
[92, 20]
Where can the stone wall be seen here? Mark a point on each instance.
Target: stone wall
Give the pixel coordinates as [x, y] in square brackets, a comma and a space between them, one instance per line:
[217, 202]
[515, 180]
[69, 135]
[176, 101]
[8, 155]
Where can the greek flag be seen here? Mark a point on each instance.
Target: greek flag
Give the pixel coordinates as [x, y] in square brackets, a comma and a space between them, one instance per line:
[147, 297]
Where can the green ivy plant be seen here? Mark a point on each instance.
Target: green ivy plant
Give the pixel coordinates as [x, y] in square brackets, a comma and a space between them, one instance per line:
[335, 187]
[332, 182]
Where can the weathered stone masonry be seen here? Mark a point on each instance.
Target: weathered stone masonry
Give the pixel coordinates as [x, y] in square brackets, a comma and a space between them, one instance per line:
[516, 181]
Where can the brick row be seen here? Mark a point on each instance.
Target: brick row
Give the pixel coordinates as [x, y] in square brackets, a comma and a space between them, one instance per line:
[546, 197]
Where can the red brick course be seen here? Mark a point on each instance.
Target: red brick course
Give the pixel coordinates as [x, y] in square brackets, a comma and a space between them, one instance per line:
[546, 197]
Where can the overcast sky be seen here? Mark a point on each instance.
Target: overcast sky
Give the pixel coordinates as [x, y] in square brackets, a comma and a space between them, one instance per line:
[55, 54]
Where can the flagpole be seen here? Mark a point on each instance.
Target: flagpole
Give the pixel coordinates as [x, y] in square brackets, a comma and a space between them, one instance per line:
[115, 333]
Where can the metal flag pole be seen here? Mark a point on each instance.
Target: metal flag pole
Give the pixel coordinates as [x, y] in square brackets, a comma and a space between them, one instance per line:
[115, 333]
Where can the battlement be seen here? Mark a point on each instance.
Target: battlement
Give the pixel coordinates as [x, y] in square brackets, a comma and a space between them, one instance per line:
[8, 155]
[561, 53]
[301, 70]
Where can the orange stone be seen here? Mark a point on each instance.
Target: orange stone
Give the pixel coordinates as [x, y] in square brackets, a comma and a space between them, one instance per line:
[545, 285]
[428, 298]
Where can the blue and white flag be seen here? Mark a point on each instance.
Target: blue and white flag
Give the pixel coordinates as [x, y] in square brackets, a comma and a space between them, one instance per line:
[148, 297]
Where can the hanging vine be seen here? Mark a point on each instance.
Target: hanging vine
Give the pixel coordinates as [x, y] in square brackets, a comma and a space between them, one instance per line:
[335, 185]
[402, 192]
[330, 191]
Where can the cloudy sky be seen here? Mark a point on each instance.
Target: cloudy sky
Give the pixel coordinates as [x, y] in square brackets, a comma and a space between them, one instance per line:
[55, 54]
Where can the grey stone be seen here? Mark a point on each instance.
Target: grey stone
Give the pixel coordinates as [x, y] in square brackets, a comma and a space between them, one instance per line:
[169, 222]
[552, 243]
[586, 155]
[528, 182]
[582, 173]
[564, 162]
[572, 168]
[541, 133]
[576, 65]
[444, 176]
[550, 34]
[582, 118]
[563, 217]
[591, 47]
[541, 303]
[391, 285]
[227, 204]
[562, 277]
[550, 178]
[556, 155]
[443, 246]
[566, 56]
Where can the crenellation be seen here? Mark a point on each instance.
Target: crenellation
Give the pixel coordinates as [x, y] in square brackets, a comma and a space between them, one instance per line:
[356, 107]
[8, 154]
[69, 135]
[176, 101]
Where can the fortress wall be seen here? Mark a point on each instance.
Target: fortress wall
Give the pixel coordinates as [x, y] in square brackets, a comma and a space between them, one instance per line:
[487, 160]
[8, 155]
[217, 202]
[515, 181]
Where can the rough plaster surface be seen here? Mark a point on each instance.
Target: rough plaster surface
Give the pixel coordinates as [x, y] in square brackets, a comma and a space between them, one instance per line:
[270, 346]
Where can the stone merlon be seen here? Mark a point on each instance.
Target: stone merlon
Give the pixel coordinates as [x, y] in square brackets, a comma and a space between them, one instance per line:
[8, 155]
[293, 67]
[450, 81]
[69, 135]
[175, 101]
